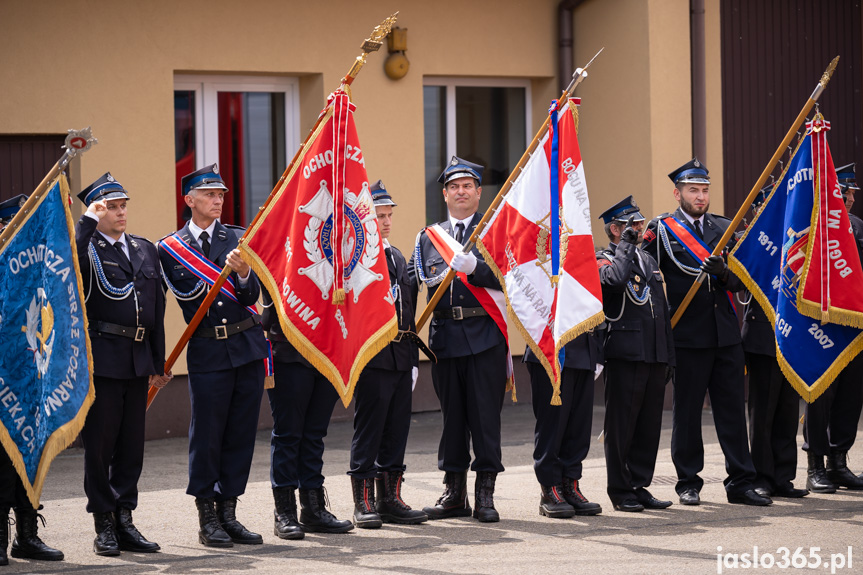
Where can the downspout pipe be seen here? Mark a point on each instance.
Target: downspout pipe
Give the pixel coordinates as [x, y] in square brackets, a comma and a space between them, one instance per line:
[699, 79]
[565, 36]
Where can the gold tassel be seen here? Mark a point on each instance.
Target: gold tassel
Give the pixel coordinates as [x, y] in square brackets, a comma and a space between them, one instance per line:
[555, 399]
[269, 382]
[339, 297]
[510, 386]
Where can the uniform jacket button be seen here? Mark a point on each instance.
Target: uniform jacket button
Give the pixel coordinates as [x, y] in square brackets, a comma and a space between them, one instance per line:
[218, 303]
[224, 320]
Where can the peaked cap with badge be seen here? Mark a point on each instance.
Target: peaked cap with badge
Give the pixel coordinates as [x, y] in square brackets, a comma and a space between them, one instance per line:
[380, 195]
[105, 188]
[460, 168]
[207, 178]
[692, 172]
[10, 207]
[622, 211]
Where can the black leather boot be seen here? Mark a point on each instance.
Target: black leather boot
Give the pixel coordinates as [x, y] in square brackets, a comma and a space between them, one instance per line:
[4, 535]
[483, 503]
[389, 503]
[105, 543]
[816, 475]
[27, 544]
[128, 536]
[314, 516]
[226, 511]
[839, 474]
[573, 496]
[211, 533]
[365, 513]
[552, 504]
[453, 502]
[286, 525]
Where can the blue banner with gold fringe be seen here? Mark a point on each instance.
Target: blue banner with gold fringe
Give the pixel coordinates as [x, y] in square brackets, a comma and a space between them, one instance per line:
[772, 260]
[46, 386]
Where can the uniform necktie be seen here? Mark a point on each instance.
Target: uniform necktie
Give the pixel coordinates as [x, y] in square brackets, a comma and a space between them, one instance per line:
[119, 247]
[459, 234]
[205, 243]
[698, 231]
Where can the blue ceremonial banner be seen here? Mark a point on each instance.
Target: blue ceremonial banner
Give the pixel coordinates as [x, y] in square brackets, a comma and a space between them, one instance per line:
[772, 259]
[46, 385]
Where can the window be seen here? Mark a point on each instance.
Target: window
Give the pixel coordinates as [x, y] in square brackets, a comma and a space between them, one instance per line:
[482, 121]
[246, 125]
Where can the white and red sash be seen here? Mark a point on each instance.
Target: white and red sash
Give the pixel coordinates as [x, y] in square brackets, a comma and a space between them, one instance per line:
[204, 269]
[491, 300]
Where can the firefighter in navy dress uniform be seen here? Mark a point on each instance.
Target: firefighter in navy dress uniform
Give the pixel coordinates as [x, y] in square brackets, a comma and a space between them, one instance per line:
[471, 372]
[382, 414]
[225, 359]
[302, 403]
[126, 313]
[830, 423]
[27, 544]
[708, 349]
[774, 405]
[562, 433]
[639, 358]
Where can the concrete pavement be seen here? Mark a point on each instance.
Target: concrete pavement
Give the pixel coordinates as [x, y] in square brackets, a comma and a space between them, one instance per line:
[677, 540]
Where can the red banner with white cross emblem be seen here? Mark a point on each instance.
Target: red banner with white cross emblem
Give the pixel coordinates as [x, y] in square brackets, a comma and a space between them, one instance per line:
[318, 251]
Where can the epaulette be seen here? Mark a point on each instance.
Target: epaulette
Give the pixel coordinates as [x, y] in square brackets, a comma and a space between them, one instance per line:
[718, 217]
[139, 238]
[233, 227]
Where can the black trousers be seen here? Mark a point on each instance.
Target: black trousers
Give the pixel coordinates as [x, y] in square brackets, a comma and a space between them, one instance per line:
[718, 372]
[225, 409]
[12, 492]
[113, 438]
[302, 404]
[774, 410]
[382, 420]
[830, 425]
[471, 391]
[562, 433]
[634, 394]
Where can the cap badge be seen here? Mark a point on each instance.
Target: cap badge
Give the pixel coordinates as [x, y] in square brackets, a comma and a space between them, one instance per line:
[110, 178]
[453, 162]
[696, 163]
[215, 168]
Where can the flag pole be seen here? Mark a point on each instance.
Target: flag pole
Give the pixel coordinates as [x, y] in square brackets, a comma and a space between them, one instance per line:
[723, 241]
[577, 77]
[371, 44]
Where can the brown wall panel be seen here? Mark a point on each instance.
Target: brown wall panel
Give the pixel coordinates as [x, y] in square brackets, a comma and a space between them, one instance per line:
[24, 161]
[773, 53]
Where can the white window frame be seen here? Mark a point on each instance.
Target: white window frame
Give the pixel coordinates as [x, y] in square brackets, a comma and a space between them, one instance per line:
[451, 82]
[207, 87]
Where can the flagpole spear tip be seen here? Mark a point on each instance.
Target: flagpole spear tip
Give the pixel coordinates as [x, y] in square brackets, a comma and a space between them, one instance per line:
[580, 74]
[825, 78]
[371, 44]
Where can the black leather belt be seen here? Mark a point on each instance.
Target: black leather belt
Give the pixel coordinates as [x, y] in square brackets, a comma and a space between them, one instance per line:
[417, 340]
[458, 313]
[225, 331]
[136, 333]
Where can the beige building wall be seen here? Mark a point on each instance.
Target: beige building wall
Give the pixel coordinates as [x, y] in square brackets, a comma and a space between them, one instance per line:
[111, 65]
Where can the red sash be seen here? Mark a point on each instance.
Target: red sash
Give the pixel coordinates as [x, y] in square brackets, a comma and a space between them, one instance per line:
[203, 268]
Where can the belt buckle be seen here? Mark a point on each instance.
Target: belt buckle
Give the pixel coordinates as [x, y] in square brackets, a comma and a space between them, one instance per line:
[457, 312]
[398, 337]
[221, 332]
[140, 333]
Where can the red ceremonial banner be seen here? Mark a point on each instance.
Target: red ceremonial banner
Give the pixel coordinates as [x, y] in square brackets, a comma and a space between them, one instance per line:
[831, 276]
[318, 251]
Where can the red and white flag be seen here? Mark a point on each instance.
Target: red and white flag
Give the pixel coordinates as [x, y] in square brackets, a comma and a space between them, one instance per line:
[491, 300]
[540, 244]
[318, 250]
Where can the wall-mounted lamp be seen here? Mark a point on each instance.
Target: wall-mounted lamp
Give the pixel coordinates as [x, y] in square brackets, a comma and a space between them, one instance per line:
[396, 64]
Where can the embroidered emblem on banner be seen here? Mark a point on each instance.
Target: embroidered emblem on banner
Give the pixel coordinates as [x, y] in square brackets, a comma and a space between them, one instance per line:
[360, 247]
[40, 330]
[543, 243]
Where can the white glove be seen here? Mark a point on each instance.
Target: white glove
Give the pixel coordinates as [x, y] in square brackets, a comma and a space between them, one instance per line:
[464, 262]
[415, 373]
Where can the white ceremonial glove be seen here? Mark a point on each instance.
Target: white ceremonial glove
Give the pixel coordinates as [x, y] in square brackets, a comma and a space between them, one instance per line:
[464, 262]
[415, 373]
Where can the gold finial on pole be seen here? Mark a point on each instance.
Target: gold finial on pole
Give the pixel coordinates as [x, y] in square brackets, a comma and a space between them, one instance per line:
[371, 44]
[825, 77]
